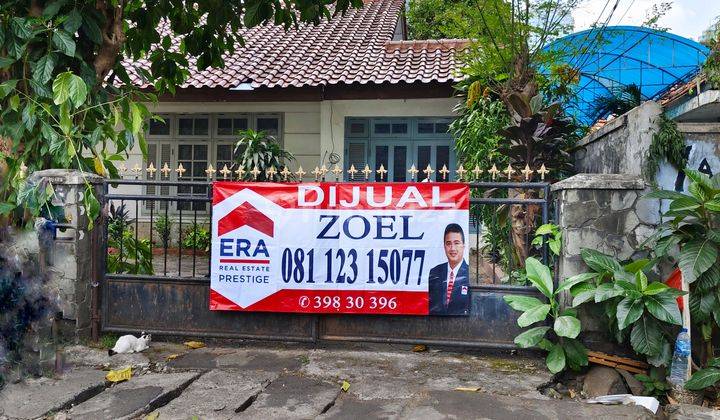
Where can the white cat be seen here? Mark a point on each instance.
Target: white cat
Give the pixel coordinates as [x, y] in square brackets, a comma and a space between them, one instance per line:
[130, 344]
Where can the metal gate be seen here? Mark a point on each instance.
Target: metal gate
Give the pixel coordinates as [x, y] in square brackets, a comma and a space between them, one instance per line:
[156, 272]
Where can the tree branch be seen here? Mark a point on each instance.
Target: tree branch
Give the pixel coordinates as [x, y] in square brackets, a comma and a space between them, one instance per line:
[113, 37]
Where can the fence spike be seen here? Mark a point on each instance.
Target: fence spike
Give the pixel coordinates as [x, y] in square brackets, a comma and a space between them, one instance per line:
[166, 170]
[255, 172]
[413, 172]
[122, 168]
[210, 171]
[444, 171]
[285, 173]
[270, 173]
[460, 171]
[352, 171]
[477, 172]
[136, 170]
[151, 170]
[367, 171]
[428, 172]
[240, 172]
[323, 172]
[494, 171]
[527, 172]
[382, 171]
[509, 172]
[180, 170]
[317, 172]
[543, 171]
[300, 173]
[225, 172]
[337, 172]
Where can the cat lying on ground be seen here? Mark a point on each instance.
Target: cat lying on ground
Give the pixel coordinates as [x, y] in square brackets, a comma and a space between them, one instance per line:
[130, 344]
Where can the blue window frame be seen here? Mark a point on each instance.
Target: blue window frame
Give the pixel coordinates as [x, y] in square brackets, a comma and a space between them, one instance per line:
[398, 143]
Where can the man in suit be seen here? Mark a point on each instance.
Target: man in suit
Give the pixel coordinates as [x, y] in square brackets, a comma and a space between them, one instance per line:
[449, 283]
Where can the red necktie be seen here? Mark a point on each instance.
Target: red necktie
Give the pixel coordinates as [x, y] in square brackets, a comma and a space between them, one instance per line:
[450, 287]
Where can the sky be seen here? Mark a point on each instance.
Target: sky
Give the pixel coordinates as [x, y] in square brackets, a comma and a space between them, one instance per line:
[688, 18]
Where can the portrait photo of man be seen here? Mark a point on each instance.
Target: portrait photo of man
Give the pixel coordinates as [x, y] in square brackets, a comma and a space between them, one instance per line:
[449, 282]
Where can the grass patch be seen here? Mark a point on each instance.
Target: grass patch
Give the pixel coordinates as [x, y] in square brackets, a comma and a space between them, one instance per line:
[108, 341]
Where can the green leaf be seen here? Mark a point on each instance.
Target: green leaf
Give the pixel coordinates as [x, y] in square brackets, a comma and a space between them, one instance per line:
[599, 262]
[696, 257]
[65, 120]
[68, 86]
[664, 357]
[28, 117]
[539, 313]
[136, 118]
[684, 204]
[582, 293]
[664, 307]
[646, 337]
[64, 43]
[567, 326]
[21, 28]
[52, 8]
[78, 91]
[545, 344]
[555, 360]
[628, 311]
[15, 102]
[641, 280]
[73, 21]
[6, 62]
[702, 379]
[607, 291]
[636, 265]
[540, 276]
[7, 87]
[92, 205]
[91, 29]
[43, 69]
[713, 205]
[665, 244]
[545, 229]
[531, 337]
[555, 246]
[572, 281]
[522, 303]
[714, 362]
[7, 208]
[575, 353]
[654, 288]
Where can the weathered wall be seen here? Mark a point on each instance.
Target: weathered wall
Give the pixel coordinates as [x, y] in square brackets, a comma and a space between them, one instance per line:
[604, 212]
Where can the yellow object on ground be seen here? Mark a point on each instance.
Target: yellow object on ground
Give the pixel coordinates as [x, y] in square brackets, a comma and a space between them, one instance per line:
[119, 375]
[345, 386]
[172, 357]
[195, 344]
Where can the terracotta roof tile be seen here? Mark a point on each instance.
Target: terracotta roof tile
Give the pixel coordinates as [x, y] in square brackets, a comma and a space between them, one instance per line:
[355, 48]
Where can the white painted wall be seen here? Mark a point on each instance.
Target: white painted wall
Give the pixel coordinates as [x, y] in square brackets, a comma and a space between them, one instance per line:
[311, 130]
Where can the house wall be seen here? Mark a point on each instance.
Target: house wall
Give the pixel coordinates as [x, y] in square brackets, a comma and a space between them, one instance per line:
[311, 130]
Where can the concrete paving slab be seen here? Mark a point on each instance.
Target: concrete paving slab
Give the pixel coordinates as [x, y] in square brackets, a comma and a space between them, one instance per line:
[217, 394]
[34, 398]
[293, 397]
[347, 406]
[75, 356]
[478, 405]
[139, 395]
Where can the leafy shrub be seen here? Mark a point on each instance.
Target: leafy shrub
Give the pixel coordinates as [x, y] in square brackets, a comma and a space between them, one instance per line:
[654, 383]
[564, 350]
[196, 237]
[705, 378]
[259, 150]
[128, 254]
[647, 310]
[163, 227]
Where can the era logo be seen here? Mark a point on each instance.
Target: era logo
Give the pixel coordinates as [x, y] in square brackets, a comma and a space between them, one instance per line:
[246, 215]
[237, 247]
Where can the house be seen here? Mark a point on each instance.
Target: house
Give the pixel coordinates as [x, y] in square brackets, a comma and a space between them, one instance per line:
[349, 91]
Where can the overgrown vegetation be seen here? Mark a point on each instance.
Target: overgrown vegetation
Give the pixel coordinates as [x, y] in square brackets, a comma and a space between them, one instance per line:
[127, 253]
[196, 237]
[66, 101]
[163, 227]
[667, 144]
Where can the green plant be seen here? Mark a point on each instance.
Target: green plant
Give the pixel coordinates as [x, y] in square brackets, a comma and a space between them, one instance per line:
[705, 378]
[66, 99]
[196, 237]
[647, 310]
[711, 67]
[127, 254]
[475, 130]
[163, 227]
[692, 223]
[668, 144]
[260, 151]
[655, 384]
[561, 344]
[553, 239]
[107, 341]
[618, 101]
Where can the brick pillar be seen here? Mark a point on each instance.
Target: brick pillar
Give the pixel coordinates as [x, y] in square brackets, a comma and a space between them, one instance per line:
[69, 256]
[604, 212]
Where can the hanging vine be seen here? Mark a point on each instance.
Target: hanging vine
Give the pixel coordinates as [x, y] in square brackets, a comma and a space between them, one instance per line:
[668, 143]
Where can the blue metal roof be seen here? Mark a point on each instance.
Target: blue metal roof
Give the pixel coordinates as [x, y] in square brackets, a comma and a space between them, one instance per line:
[611, 57]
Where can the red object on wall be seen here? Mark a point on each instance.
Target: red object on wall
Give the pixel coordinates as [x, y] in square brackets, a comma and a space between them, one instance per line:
[675, 281]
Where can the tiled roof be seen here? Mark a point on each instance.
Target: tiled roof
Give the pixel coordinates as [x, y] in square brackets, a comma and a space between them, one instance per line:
[355, 48]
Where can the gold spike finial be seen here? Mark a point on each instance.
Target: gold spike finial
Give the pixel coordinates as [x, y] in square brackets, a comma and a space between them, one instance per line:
[337, 172]
[240, 172]
[317, 172]
[285, 173]
[477, 172]
[151, 170]
[180, 170]
[352, 171]
[527, 172]
[509, 172]
[367, 171]
[494, 171]
[543, 171]
[210, 171]
[166, 170]
[255, 172]
[225, 171]
[444, 171]
[270, 173]
[413, 172]
[460, 172]
[428, 172]
[382, 171]
[300, 173]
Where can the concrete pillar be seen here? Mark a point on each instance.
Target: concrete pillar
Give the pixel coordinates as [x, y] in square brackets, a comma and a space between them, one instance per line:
[604, 212]
[71, 257]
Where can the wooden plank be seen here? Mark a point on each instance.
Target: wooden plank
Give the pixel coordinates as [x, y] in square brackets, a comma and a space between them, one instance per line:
[618, 359]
